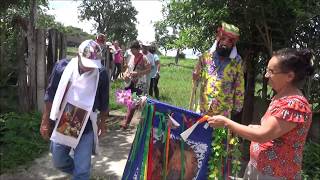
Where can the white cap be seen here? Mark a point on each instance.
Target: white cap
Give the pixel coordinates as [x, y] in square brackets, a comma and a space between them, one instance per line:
[146, 43]
[90, 54]
[108, 43]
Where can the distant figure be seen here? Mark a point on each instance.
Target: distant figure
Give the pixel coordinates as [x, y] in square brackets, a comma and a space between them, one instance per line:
[155, 73]
[110, 59]
[117, 60]
[145, 51]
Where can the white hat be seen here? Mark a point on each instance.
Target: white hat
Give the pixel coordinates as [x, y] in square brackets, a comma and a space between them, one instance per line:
[90, 54]
[146, 43]
[108, 43]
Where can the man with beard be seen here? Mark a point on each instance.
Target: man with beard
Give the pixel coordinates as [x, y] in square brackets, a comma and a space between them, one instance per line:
[220, 75]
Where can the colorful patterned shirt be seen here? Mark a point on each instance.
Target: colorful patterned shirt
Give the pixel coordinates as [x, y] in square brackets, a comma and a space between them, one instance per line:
[282, 157]
[222, 87]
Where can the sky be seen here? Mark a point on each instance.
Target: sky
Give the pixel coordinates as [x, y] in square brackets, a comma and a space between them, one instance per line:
[149, 11]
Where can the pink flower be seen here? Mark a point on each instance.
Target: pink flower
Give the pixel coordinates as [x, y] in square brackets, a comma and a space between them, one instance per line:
[124, 97]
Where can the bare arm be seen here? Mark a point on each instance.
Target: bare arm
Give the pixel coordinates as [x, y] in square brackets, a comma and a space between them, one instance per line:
[158, 66]
[46, 126]
[102, 123]
[272, 128]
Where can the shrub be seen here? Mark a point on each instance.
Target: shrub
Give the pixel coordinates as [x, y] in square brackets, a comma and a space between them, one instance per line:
[311, 161]
[20, 140]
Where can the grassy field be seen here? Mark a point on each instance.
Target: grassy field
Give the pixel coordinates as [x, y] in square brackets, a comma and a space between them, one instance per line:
[174, 85]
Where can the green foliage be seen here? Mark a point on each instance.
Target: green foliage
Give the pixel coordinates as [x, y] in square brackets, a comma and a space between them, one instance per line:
[121, 28]
[264, 26]
[163, 38]
[46, 21]
[20, 140]
[194, 22]
[311, 161]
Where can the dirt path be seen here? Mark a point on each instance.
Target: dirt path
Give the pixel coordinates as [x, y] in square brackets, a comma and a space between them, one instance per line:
[115, 147]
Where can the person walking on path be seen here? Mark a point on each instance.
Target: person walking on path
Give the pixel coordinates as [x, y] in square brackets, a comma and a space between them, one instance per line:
[135, 78]
[77, 91]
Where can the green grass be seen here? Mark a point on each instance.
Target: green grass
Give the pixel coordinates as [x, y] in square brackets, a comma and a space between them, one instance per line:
[174, 85]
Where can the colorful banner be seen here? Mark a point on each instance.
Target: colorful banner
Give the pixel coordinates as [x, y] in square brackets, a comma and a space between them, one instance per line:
[158, 151]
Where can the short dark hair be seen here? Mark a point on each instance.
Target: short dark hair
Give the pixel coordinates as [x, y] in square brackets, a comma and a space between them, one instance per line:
[135, 45]
[153, 49]
[297, 61]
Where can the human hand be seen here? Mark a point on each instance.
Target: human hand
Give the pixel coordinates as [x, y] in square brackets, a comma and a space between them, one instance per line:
[101, 129]
[195, 76]
[217, 121]
[157, 75]
[46, 127]
[134, 74]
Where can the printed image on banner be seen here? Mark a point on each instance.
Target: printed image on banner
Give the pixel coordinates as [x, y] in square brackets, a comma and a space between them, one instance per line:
[71, 120]
[159, 152]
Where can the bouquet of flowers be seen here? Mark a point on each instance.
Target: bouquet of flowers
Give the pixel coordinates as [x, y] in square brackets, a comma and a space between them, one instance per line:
[129, 99]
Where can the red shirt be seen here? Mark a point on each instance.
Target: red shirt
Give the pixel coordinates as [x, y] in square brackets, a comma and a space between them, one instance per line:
[282, 157]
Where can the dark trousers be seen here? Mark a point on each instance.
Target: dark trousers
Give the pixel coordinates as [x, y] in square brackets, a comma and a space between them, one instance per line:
[116, 70]
[154, 86]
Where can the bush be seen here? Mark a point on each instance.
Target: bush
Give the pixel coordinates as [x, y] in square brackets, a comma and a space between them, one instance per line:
[20, 140]
[311, 161]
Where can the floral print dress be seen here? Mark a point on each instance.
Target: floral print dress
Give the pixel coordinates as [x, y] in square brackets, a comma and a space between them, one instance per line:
[222, 87]
[282, 157]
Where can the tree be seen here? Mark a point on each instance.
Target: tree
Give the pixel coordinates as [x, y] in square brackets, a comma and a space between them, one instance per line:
[265, 26]
[116, 18]
[163, 38]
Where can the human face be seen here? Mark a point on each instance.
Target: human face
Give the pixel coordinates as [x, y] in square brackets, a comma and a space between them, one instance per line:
[277, 78]
[226, 41]
[145, 49]
[82, 67]
[134, 51]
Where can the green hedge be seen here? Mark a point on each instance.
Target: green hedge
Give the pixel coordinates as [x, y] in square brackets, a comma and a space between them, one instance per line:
[20, 140]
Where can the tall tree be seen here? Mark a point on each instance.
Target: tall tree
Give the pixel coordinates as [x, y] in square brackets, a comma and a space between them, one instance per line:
[163, 36]
[265, 26]
[116, 18]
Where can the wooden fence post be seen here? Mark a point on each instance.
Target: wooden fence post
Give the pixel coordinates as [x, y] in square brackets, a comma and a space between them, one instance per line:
[52, 55]
[63, 46]
[22, 69]
[41, 67]
[58, 45]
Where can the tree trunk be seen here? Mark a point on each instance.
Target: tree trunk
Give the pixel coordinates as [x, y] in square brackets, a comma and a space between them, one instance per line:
[32, 80]
[58, 45]
[249, 90]
[22, 75]
[41, 67]
[63, 46]
[52, 56]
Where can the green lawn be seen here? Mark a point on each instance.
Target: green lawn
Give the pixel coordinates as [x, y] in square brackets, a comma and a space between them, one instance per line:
[174, 85]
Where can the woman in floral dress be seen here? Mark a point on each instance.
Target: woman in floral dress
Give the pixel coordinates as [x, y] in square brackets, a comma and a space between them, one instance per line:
[277, 144]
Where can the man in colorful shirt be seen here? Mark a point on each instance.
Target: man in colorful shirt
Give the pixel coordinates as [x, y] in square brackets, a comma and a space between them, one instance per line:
[220, 74]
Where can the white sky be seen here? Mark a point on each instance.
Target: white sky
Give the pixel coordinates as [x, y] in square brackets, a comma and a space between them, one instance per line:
[149, 11]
